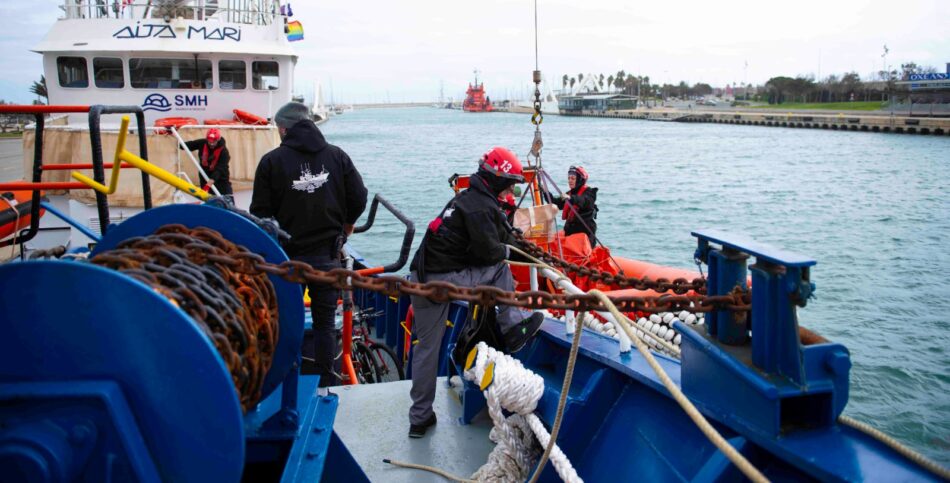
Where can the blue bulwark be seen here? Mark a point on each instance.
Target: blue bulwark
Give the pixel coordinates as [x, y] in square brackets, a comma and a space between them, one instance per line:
[752, 368]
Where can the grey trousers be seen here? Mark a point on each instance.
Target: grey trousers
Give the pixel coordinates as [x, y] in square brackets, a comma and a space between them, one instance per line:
[429, 327]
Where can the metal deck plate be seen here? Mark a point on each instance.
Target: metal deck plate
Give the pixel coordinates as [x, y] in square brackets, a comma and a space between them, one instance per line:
[372, 420]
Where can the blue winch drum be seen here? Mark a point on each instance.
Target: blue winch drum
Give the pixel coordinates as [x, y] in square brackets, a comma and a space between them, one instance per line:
[240, 231]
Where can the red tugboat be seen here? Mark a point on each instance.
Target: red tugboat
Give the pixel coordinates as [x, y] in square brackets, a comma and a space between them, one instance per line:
[475, 98]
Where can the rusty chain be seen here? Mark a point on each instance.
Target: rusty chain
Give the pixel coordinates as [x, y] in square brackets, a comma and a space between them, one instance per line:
[236, 309]
[224, 289]
[437, 291]
[679, 286]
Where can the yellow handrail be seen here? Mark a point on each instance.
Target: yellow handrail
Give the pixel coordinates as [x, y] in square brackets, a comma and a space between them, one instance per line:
[121, 154]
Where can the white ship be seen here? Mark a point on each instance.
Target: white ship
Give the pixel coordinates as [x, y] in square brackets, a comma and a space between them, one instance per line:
[175, 58]
[197, 59]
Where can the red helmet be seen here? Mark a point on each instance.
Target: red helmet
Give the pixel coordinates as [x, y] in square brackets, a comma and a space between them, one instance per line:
[213, 135]
[578, 171]
[502, 163]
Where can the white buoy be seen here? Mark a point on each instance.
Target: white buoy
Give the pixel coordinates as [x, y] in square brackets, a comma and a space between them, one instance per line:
[675, 320]
[667, 317]
[662, 332]
[677, 339]
[683, 315]
[690, 319]
[641, 321]
[655, 328]
[655, 318]
[669, 335]
[648, 326]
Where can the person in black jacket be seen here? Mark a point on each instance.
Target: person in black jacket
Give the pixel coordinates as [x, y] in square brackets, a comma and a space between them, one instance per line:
[580, 205]
[316, 194]
[215, 161]
[466, 246]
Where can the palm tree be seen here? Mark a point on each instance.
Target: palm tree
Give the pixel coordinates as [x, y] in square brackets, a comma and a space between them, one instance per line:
[600, 81]
[564, 81]
[39, 88]
[580, 80]
[610, 82]
[573, 80]
[618, 79]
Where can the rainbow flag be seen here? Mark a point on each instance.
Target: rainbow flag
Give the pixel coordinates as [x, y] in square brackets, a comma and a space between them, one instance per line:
[294, 31]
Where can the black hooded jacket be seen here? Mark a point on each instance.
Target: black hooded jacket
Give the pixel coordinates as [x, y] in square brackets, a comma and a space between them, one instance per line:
[584, 200]
[215, 162]
[310, 187]
[470, 231]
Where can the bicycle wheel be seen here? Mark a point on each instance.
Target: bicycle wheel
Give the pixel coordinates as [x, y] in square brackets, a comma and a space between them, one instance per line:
[389, 368]
[364, 363]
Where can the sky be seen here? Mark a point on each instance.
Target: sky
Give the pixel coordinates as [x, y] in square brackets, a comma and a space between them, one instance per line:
[410, 50]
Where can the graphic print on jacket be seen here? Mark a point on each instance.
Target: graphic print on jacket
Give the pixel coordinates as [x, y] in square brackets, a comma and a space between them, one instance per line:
[308, 181]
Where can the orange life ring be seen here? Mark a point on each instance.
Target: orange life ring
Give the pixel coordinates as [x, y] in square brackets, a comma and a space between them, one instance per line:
[222, 122]
[16, 217]
[248, 118]
[176, 122]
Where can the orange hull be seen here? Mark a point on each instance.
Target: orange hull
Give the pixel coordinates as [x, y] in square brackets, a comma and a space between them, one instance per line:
[9, 222]
[576, 249]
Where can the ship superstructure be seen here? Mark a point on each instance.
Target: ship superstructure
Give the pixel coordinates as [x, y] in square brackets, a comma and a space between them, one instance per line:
[186, 58]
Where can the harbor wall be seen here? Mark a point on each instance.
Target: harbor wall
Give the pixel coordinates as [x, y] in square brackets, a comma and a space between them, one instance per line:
[852, 121]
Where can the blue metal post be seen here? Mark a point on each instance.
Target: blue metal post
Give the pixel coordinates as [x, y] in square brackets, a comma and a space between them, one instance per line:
[727, 271]
[778, 290]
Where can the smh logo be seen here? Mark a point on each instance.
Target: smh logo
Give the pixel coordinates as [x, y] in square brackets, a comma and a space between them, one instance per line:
[156, 102]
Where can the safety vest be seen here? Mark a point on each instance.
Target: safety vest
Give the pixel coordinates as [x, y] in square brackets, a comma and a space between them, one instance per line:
[568, 213]
[209, 165]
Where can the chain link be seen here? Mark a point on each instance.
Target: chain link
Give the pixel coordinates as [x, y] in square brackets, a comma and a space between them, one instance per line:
[443, 292]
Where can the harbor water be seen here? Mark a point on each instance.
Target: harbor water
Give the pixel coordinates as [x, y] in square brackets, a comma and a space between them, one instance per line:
[873, 209]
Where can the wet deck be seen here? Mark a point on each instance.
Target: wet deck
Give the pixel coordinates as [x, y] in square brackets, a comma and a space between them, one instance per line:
[372, 420]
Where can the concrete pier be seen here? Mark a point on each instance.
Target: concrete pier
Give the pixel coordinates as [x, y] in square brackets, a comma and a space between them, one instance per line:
[850, 121]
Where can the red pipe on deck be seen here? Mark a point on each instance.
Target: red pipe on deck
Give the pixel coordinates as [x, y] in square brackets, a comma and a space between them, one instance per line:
[45, 185]
[64, 167]
[348, 348]
[370, 271]
[14, 109]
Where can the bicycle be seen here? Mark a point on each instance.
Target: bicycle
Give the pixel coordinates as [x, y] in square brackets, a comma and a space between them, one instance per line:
[373, 362]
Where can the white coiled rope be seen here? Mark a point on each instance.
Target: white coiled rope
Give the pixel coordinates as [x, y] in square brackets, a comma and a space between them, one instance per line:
[516, 389]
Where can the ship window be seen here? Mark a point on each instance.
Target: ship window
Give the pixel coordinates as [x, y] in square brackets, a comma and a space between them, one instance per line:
[266, 75]
[232, 74]
[72, 72]
[170, 73]
[108, 73]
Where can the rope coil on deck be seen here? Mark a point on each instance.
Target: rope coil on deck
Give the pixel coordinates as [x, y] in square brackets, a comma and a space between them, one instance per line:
[517, 389]
[237, 311]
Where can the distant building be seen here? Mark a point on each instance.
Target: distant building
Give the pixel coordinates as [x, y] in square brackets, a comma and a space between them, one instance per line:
[595, 103]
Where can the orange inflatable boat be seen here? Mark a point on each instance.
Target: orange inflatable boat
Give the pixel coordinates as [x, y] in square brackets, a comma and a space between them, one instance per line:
[15, 212]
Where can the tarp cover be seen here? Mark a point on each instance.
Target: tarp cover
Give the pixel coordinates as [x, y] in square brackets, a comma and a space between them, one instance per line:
[72, 146]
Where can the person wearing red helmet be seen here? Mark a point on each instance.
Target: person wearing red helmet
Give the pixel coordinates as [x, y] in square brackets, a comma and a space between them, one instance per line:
[215, 161]
[579, 205]
[465, 245]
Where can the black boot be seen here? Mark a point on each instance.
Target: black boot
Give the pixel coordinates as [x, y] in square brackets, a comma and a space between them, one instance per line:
[520, 334]
[419, 430]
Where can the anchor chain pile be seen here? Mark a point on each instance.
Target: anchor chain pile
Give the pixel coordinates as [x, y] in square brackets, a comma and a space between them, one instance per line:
[519, 436]
[237, 310]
